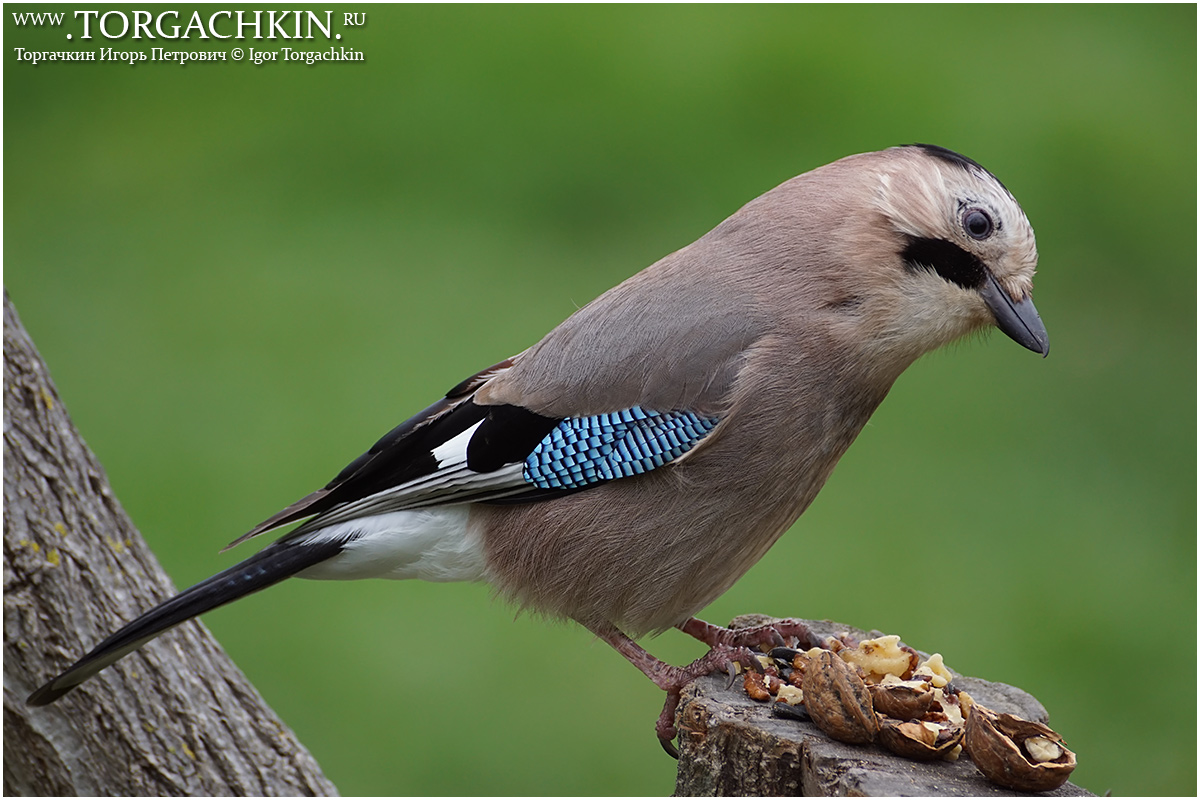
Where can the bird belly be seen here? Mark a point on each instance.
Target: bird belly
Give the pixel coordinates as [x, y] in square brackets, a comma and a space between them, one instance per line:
[590, 558]
[433, 544]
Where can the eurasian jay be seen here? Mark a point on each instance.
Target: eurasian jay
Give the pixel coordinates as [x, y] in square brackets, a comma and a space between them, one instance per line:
[628, 468]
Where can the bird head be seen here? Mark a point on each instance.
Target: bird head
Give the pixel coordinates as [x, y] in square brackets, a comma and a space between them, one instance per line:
[966, 251]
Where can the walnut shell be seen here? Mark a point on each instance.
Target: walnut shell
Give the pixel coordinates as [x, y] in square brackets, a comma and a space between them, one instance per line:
[900, 701]
[997, 745]
[919, 741]
[838, 700]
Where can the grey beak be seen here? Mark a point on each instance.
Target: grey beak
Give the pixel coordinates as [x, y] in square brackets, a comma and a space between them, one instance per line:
[1019, 321]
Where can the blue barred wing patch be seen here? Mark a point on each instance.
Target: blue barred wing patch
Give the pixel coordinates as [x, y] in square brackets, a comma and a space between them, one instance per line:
[582, 451]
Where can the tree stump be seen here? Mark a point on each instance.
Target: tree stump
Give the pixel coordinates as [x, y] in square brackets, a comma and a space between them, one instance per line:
[731, 745]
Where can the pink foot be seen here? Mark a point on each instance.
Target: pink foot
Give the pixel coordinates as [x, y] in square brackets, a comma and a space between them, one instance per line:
[777, 634]
[672, 679]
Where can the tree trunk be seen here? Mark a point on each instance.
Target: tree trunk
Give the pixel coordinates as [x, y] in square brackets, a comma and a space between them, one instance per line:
[176, 718]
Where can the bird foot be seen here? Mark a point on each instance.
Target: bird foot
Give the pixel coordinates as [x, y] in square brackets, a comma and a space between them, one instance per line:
[665, 676]
[780, 633]
[672, 679]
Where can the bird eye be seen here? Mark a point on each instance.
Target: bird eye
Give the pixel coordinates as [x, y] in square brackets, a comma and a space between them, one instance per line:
[977, 223]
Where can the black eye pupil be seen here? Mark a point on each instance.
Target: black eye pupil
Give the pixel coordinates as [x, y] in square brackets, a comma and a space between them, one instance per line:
[978, 223]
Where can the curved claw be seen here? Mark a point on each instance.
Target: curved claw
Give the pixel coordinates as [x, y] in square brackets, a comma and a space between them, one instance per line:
[670, 748]
[731, 670]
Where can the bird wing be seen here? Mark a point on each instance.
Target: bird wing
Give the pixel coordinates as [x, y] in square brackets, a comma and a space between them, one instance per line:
[630, 382]
[458, 451]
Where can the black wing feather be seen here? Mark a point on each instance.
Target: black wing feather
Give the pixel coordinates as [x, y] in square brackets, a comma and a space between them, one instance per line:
[403, 453]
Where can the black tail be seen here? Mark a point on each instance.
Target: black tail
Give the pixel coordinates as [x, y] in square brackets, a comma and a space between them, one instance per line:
[271, 565]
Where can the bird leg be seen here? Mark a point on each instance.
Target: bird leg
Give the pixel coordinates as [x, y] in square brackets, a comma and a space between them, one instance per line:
[672, 679]
[774, 634]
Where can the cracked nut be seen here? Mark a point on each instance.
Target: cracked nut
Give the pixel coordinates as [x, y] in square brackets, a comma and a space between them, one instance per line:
[755, 686]
[920, 741]
[933, 670]
[791, 695]
[838, 700]
[882, 656]
[1017, 753]
[902, 700]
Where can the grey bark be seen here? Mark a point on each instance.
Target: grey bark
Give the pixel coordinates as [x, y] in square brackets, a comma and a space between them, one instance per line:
[177, 718]
[731, 745]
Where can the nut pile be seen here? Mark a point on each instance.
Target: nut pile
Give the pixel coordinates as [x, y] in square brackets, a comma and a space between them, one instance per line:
[883, 691]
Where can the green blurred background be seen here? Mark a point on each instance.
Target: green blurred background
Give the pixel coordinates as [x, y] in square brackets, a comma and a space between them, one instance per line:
[241, 276]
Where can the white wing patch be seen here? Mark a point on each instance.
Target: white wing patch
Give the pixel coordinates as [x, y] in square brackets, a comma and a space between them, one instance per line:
[454, 452]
